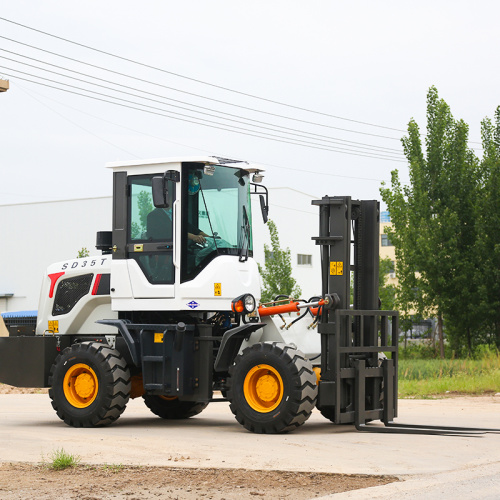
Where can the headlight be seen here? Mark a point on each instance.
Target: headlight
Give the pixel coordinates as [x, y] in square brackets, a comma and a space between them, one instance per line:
[249, 303]
[243, 304]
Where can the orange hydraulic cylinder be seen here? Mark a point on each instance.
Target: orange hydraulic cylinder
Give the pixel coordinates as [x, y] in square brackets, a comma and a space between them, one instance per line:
[282, 309]
[289, 308]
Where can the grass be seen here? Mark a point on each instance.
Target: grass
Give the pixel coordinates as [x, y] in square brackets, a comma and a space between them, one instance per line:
[60, 460]
[113, 467]
[431, 377]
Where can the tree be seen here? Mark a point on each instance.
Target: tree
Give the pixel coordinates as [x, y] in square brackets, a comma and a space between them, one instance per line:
[145, 204]
[386, 293]
[84, 252]
[434, 226]
[277, 271]
[488, 221]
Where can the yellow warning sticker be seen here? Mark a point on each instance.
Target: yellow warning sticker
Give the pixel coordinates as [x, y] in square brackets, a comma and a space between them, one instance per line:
[54, 326]
[336, 268]
[158, 338]
[217, 289]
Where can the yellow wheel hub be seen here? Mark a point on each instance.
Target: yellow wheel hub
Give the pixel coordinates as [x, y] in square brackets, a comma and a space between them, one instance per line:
[80, 385]
[263, 388]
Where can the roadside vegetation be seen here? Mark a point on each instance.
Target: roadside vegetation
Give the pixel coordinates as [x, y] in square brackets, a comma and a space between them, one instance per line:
[445, 228]
[421, 375]
[60, 460]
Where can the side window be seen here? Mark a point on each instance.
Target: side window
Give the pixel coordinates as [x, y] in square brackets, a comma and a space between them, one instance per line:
[385, 241]
[148, 223]
[148, 226]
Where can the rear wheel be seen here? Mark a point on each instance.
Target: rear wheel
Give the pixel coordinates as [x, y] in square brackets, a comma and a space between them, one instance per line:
[172, 408]
[272, 388]
[90, 385]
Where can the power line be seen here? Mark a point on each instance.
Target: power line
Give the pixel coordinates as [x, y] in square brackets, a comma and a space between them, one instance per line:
[201, 81]
[208, 123]
[273, 128]
[83, 128]
[199, 95]
[210, 152]
[131, 129]
[212, 85]
[330, 139]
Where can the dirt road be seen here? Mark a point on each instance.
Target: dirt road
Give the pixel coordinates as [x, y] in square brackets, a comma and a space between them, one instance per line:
[213, 451]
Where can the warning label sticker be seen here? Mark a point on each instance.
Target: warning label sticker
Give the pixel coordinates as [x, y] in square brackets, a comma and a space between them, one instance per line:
[158, 338]
[54, 326]
[336, 268]
[217, 289]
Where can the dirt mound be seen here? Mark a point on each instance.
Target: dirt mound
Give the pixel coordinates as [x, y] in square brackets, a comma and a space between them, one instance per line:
[133, 483]
[9, 389]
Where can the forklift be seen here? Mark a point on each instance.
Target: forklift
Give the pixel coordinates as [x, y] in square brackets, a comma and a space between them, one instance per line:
[170, 312]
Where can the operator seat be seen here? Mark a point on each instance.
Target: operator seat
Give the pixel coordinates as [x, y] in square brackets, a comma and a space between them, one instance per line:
[159, 265]
[159, 225]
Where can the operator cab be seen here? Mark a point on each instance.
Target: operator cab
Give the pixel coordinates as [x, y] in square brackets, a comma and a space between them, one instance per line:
[181, 227]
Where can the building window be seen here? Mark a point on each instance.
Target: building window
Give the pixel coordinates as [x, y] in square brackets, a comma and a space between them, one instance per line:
[386, 242]
[304, 260]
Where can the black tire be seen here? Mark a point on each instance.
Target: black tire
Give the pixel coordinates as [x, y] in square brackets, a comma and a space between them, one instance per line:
[272, 388]
[328, 412]
[173, 408]
[97, 386]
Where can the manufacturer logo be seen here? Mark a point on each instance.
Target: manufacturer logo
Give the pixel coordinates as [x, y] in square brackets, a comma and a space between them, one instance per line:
[193, 304]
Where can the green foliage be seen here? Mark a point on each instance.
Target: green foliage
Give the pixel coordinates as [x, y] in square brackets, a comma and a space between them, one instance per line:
[488, 223]
[145, 205]
[83, 253]
[60, 460]
[114, 468]
[277, 271]
[386, 293]
[421, 350]
[425, 377]
[446, 227]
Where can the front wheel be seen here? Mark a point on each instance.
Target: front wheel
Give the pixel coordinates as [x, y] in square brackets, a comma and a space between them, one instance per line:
[272, 388]
[90, 385]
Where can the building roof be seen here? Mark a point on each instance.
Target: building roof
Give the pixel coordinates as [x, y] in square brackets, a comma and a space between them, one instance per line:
[19, 314]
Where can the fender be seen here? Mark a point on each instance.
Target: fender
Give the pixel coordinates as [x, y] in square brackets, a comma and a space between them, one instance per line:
[231, 343]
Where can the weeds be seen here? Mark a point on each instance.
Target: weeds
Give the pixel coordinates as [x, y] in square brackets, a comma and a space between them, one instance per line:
[113, 467]
[60, 460]
[424, 377]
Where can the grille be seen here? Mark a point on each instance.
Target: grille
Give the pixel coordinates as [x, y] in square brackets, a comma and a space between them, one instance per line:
[69, 292]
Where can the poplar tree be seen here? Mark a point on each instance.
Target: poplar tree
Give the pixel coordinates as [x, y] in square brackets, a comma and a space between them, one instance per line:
[488, 234]
[277, 270]
[434, 226]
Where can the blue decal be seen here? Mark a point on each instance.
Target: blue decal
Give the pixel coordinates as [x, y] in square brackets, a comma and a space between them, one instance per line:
[193, 304]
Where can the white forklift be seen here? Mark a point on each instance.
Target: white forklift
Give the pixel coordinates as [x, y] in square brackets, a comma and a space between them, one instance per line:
[170, 312]
[164, 312]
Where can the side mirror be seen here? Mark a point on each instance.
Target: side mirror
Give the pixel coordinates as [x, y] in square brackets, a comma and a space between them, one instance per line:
[264, 208]
[160, 192]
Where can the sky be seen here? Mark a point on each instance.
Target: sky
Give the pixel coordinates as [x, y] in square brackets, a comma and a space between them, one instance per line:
[317, 93]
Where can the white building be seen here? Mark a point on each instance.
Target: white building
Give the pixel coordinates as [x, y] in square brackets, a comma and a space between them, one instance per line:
[34, 235]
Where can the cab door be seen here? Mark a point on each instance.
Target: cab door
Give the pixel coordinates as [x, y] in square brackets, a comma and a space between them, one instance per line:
[150, 240]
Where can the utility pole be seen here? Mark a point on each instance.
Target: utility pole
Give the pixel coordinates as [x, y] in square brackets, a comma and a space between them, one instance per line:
[4, 85]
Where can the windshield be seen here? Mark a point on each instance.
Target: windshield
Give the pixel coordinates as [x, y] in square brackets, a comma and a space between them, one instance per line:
[218, 206]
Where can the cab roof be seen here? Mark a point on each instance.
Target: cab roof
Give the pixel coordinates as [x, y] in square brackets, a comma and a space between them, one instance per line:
[160, 163]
